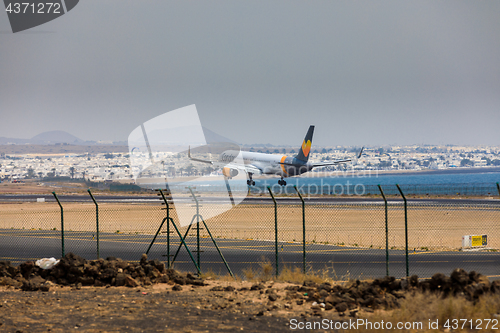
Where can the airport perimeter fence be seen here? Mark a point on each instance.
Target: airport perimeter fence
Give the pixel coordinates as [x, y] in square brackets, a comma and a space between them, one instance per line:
[342, 237]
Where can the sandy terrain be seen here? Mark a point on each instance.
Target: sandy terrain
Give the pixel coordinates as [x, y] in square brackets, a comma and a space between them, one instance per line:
[354, 225]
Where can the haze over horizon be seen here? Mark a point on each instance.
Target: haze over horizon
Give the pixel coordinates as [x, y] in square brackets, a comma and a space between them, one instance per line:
[364, 73]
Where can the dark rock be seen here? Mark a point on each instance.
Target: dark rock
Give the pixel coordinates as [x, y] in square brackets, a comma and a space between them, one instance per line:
[341, 307]
[474, 276]
[86, 280]
[27, 268]
[439, 282]
[179, 280]
[390, 301]
[108, 274]
[71, 278]
[413, 281]
[460, 277]
[159, 266]
[399, 294]
[273, 297]
[425, 285]
[304, 289]
[33, 284]
[324, 293]
[259, 286]
[154, 273]
[71, 260]
[6, 269]
[130, 281]
[122, 264]
[368, 300]
[148, 268]
[77, 271]
[177, 287]
[99, 283]
[146, 281]
[46, 286]
[121, 279]
[310, 283]
[62, 281]
[163, 279]
[495, 287]
[58, 272]
[217, 288]
[325, 286]
[8, 281]
[395, 285]
[333, 300]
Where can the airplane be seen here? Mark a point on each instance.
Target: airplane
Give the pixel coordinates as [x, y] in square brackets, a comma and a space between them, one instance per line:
[269, 164]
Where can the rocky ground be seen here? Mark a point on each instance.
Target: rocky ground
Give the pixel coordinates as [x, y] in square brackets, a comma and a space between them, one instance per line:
[116, 296]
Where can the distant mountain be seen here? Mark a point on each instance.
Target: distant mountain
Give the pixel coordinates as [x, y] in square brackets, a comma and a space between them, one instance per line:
[55, 137]
[46, 138]
[10, 141]
[156, 136]
[212, 137]
[185, 135]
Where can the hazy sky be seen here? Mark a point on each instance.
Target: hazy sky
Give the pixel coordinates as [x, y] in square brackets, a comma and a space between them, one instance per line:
[364, 72]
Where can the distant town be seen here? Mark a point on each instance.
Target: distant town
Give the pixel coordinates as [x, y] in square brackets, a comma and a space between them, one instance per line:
[116, 166]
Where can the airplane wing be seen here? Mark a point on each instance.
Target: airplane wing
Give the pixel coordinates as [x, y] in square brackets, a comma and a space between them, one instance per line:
[197, 159]
[320, 164]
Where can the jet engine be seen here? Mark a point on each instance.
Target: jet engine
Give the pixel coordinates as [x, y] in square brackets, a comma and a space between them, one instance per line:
[229, 173]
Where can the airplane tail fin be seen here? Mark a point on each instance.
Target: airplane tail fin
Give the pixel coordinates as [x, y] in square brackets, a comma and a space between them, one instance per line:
[303, 154]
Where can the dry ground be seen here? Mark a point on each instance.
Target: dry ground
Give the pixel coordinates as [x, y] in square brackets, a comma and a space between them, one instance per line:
[159, 308]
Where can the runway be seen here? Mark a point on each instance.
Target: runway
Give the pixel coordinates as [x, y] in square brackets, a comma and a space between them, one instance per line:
[339, 262]
[267, 200]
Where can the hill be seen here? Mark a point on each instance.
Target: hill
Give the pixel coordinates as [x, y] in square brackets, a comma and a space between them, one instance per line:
[52, 137]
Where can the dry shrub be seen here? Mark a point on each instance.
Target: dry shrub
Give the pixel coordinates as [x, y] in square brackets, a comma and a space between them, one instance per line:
[421, 307]
[267, 269]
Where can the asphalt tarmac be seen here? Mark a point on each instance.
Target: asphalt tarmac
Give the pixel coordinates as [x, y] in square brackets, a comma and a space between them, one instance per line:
[153, 199]
[339, 262]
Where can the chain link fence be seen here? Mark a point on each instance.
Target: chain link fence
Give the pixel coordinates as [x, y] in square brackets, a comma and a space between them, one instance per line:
[343, 237]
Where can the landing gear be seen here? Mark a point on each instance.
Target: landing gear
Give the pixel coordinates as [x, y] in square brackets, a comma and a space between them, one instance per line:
[250, 182]
[282, 182]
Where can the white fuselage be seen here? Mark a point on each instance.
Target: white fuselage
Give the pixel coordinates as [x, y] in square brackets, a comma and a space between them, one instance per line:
[267, 163]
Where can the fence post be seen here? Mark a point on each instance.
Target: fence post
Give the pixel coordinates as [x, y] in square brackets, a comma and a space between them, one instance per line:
[197, 225]
[303, 229]
[96, 221]
[386, 233]
[62, 222]
[406, 230]
[275, 229]
[169, 219]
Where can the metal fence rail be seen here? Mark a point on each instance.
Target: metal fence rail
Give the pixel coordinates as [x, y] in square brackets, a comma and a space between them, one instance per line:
[341, 238]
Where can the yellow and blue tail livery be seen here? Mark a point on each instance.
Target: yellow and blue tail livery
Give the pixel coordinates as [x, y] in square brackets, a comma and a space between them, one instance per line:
[303, 154]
